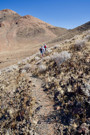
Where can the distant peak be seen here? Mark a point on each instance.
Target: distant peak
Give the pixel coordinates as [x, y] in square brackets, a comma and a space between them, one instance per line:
[27, 16]
[8, 11]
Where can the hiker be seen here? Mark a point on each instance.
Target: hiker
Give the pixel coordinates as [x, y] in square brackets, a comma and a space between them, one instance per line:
[41, 50]
[45, 46]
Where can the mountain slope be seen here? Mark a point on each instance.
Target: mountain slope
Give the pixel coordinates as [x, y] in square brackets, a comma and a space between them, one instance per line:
[71, 33]
[21, 31]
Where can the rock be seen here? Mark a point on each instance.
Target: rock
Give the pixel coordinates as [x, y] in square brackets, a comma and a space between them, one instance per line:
[41, 68]
[23, 71]
[84, 128]
[69, 89]
[58, 107]
[37, 58]
[86, 89]
[27, 66]
[49, 79]
[74, 125]
[35, 122]
[46, 58]
[61, 92]
[11, 112]
[7, 132]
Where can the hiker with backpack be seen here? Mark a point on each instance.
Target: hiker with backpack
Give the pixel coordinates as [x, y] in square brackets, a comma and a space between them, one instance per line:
[41, 50]
[45, 46]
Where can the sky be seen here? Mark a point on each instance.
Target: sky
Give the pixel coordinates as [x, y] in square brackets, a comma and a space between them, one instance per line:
[61, 13]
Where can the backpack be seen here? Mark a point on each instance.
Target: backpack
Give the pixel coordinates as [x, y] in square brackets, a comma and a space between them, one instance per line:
[44, 46]
[40, 49]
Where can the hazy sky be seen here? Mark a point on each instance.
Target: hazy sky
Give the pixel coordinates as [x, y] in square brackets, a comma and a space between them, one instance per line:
[62, 13]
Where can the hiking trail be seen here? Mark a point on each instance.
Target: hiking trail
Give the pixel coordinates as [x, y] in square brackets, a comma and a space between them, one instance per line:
[42, 109]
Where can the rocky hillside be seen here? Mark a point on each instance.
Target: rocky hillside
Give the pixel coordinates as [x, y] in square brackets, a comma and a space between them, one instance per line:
[71, 33]
[49, 95]
[20, 31]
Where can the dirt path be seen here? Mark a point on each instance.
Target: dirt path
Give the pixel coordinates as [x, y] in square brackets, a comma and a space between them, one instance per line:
[42, 109]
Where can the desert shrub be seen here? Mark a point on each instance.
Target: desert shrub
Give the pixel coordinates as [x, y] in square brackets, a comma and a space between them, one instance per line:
[87, 38]
[59, 58]
[79, 44]
[41, 68]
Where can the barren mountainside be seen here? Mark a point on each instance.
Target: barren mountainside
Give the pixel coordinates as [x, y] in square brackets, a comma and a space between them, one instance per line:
[20, 31]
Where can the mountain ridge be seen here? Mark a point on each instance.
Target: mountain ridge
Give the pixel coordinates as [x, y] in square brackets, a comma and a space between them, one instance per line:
[71, 33]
